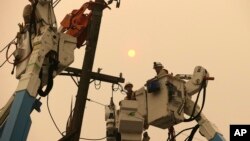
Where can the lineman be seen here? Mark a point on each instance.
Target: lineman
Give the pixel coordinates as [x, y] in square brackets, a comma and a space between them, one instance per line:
[159, 69]
[129, 91]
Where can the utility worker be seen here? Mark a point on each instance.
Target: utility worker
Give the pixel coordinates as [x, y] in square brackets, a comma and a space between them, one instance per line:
[159, 69]
[129, 91]
[29, 17]
[27, 12]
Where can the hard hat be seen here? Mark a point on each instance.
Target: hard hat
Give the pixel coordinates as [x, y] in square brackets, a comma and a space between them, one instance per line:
[128, 84]
[157, 64]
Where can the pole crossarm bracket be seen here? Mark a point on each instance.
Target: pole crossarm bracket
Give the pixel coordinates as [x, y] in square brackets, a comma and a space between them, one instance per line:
[93, 75]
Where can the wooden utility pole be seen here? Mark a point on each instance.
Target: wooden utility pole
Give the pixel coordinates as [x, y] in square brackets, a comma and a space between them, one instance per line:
[74, 130]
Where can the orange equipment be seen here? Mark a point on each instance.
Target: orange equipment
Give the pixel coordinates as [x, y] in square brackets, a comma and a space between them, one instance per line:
[76, 23]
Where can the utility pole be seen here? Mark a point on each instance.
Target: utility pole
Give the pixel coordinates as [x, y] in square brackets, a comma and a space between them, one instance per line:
[74, 129]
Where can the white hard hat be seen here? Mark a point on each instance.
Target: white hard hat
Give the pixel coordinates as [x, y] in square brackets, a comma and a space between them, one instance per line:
[157, 64]
[127, 84]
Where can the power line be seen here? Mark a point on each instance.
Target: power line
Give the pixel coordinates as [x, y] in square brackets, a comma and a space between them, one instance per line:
[180, 133]
[93, 139]
[52, 116]
[58, 127]
[184, 134]
[55, 3]
[95, 102]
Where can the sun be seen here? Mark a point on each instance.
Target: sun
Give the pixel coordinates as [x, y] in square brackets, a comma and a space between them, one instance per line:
[131, 53]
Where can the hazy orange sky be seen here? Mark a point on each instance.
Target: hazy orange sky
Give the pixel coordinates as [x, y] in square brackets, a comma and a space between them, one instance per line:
[181, 34]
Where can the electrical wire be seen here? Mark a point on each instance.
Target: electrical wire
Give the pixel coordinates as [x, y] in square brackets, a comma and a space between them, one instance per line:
[12, 41]
[72, 111]
[95, 102]
[8, 44]
[113, 89]
[16, 62]
[192, 117]
[7, 53]
[52, 117]
[181, 133]
[7, 59]
[70, 115]
[186, 139]
[7, 56]
[55, 3]
[93, 139]
[195, 138]
[191, 136]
